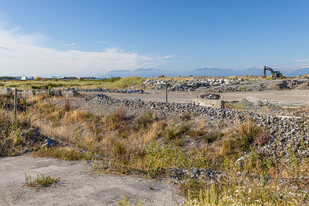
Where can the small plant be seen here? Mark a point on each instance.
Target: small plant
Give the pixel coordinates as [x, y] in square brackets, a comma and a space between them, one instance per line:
[226, 148]
[110, 122]
[159, 157]
[15, 131]
[262, 139]
[120, 114]
[210, 137]
[67, 105]
[126, 202]
[196, 133]
[145, 120]
[246, 133]
[172, 132]
[120, 151]
[62, 153]
[185, 117]
[49, 90]
[40, 181]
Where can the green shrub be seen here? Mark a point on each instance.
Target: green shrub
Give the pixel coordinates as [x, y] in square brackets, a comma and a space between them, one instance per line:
[40, 181]
[126, 202]
[144, 121]
[163, 156]
[173, 133]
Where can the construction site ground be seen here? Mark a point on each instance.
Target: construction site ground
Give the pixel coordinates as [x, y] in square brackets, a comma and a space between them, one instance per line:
[285, 97]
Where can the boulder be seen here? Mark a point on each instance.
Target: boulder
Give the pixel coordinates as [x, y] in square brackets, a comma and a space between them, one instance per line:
[6, 91]
[255, 101]
[41, 93]
[27, 94]
[70, 93]
[56, 92]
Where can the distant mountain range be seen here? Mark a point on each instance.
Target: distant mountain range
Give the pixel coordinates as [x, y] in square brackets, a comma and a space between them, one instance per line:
[303, 71]
[138, 72]
[198, 72]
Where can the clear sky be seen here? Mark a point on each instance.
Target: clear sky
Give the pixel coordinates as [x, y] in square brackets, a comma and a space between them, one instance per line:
[91, 37]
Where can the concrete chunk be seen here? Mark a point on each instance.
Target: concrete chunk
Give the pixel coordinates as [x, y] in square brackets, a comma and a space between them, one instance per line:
[27, 93]
[70, 93]
[219, 104]
[6, 91]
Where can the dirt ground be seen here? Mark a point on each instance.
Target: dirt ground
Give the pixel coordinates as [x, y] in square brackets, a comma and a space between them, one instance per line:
[286, 97]
[77, 186]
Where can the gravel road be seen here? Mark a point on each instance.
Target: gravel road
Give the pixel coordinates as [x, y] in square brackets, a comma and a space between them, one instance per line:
[77, 185]
[286, 97]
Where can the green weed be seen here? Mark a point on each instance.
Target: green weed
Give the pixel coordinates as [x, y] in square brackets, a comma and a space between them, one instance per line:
[40, 181]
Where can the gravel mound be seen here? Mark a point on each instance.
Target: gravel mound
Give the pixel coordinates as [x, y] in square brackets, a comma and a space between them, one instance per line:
[286, 133]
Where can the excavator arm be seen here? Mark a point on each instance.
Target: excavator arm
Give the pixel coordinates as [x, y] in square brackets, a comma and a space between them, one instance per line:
[275, 74]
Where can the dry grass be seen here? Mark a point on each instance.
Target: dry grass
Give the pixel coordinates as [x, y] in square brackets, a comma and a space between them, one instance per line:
[226, 148]
[246, 134]
[63, 153]
[150, 144]
[155, 131]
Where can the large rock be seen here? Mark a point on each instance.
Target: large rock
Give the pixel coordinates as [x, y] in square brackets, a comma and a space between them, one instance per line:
[219, 104]
[41, 93]
[27, 94]
[279, 85]
[69, 93]
[6, 91]
[256, 101]
[56, 92]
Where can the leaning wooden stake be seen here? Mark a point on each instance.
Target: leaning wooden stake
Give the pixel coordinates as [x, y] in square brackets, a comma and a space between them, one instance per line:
[15, 105]
[166, 93]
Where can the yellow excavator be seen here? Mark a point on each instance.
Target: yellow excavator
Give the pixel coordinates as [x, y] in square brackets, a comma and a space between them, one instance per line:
[274, 74]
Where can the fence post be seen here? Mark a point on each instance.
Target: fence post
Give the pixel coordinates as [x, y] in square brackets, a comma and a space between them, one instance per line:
[15, 105]
[166, 92]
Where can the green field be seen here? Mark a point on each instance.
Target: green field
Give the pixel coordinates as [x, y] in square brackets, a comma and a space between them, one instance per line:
[115, 83]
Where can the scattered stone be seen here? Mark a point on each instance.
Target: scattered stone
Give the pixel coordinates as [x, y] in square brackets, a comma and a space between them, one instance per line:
[278, 127]
[49, 143]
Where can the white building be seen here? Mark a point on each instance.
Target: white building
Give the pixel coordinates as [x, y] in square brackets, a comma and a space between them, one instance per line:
[26, 78]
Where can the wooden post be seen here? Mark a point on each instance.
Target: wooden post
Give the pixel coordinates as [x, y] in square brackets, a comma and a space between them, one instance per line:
[15, 105]
[166, 92]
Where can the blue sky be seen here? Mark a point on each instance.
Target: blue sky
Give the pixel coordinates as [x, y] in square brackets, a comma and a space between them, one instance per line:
[79, 37]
